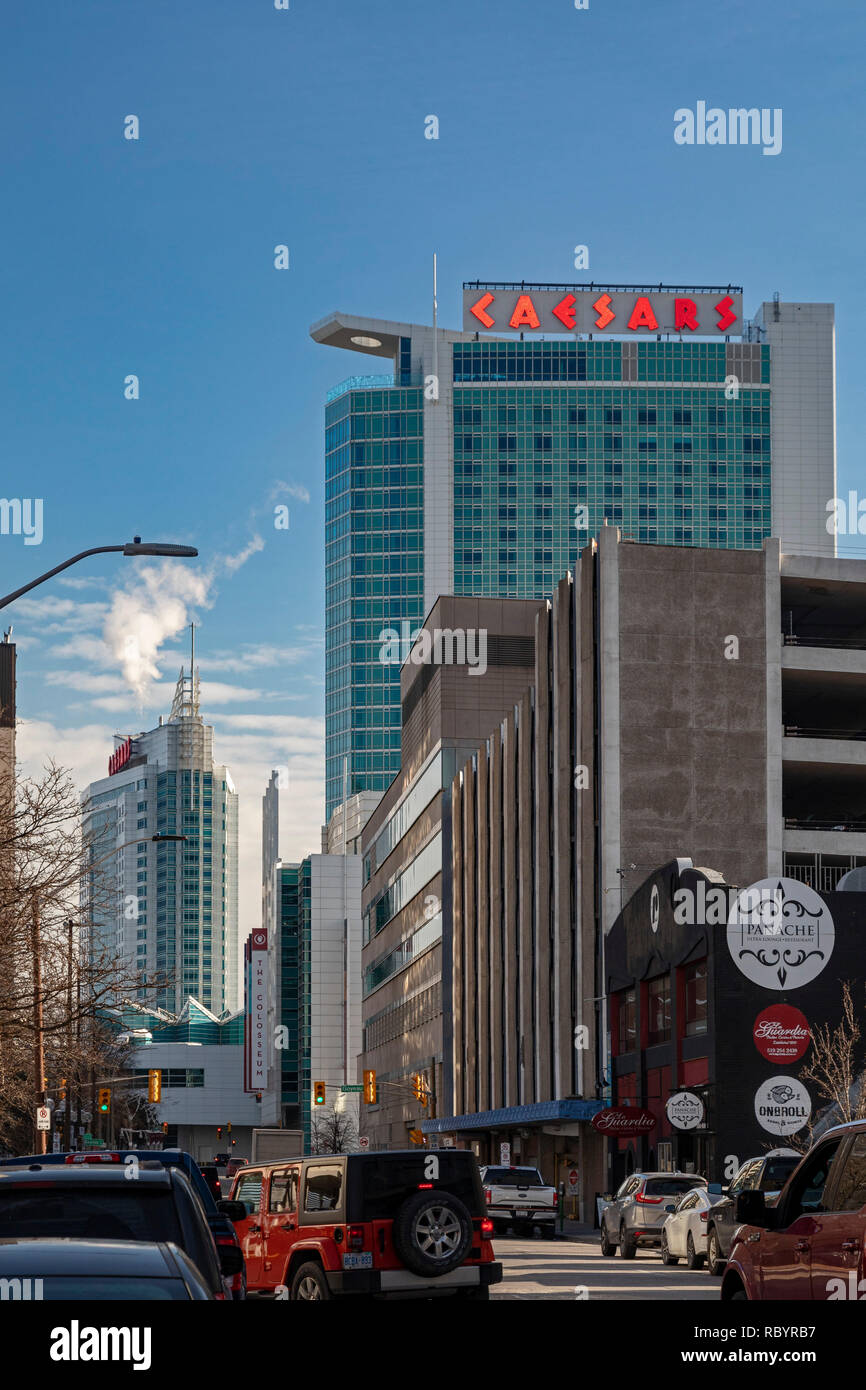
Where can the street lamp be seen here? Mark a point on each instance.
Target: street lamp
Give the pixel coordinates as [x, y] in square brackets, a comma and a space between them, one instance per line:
[134, 547]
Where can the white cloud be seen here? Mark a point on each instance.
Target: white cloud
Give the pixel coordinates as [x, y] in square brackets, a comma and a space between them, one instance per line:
[296, 490]
[233, 562]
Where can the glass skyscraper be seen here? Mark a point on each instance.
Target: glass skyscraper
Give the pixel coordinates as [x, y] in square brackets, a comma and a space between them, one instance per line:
[167, 909]
[482, 465]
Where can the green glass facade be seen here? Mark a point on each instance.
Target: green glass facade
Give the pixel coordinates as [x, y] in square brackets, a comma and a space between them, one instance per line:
[539, 468]
[374, 547]
[295, 1085]
[550, 440]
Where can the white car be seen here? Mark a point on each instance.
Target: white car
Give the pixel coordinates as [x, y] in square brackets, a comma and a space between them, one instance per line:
[684, 1234]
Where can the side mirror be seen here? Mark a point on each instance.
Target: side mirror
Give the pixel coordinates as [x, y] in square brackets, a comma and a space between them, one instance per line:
[671, 1206]
[751, 1209]
[235, 1211]
[715, 1189]
[231, 1259]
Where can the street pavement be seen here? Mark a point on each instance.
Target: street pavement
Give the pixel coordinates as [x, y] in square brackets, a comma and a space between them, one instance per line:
[556, 1269]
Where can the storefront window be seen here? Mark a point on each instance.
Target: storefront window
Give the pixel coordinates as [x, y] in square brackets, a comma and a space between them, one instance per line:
[659, 1006]
[696, 998]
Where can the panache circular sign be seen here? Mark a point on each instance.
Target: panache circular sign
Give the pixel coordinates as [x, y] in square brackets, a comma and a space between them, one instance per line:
[781, 1033]
[685, 1110]
[782, 1105]
[780, 933]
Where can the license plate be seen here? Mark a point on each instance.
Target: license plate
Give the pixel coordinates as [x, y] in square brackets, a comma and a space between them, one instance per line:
[362, 1261]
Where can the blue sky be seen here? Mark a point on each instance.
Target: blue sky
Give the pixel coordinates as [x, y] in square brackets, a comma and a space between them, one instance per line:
[306, 127]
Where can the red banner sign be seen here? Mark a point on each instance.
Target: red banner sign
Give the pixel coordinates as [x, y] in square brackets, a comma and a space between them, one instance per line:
[623, 1122]
[781, 1033]
[120, 757]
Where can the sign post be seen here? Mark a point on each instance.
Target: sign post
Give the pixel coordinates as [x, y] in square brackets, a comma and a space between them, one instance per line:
[43, 1117]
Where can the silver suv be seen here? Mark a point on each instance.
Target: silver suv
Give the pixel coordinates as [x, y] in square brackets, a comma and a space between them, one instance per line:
[636, 1214]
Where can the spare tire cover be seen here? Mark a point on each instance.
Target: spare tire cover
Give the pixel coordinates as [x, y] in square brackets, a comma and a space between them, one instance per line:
[432, 1233]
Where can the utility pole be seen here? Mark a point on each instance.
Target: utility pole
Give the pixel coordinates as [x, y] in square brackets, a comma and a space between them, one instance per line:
[67, 1116]
[38, 1036]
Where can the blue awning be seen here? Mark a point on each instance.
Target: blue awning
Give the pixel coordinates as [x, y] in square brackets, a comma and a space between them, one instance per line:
[544, 1111]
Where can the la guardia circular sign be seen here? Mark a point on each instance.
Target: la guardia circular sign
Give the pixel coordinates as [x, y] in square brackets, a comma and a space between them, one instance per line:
[780, 933]
[781, 1033]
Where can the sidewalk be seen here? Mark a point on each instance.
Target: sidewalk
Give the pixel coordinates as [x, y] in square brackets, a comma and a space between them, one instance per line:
[577, 1230]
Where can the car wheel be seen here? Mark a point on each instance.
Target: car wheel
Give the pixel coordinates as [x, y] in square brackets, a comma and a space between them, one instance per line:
[627, 1245]
[715, 1263]
[739, 1297]
[522, 1229]
[607, 1245]
[667, 1257]
[693, 1259]
[309, 1284]
[432, 1233]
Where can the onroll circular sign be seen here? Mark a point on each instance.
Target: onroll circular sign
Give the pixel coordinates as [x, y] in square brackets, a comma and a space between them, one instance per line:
[685, 1110]
[781, 1033]
[782, 1105]
[780, 933]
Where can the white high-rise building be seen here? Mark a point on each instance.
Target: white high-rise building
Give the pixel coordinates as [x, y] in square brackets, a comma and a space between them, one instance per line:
[170, 907]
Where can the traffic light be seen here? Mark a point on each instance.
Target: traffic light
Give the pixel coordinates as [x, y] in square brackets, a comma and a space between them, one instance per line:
[104, 1100]
[154, 1086]
[258, 1097]
[418, 1087]
[62, 1088]
[229, 1127]
[369, 1088]
[165, 1126]
[318, 1092]
[219, 1131]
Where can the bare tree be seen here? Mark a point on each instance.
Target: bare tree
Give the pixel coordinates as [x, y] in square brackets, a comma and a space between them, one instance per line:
[58, 977]
[836, 1069]
[333, 1133]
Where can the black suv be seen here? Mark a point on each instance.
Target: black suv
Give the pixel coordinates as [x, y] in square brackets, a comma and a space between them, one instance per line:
[105, 1203]
[767, 1174]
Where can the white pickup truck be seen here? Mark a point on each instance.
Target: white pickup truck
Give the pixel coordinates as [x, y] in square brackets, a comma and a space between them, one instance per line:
[520, 1198]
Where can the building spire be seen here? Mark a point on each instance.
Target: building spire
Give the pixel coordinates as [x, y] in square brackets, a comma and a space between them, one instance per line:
[187, 692]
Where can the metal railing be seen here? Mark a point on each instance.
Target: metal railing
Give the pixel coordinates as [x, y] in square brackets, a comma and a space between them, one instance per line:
[793, 639]
[798, 731]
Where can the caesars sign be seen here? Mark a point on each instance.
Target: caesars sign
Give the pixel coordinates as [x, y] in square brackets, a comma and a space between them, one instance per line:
[593, 309]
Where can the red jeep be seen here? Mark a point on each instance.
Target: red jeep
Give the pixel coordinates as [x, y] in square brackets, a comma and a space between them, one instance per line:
[380, 1224]
[812, 1243]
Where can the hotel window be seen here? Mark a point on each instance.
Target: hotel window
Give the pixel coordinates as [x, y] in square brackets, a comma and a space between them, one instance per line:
[696, 998]
[659, 1009]
[627, 1040]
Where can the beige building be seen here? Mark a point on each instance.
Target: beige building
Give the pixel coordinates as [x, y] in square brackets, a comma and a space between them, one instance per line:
[685, 702]
[453, 690]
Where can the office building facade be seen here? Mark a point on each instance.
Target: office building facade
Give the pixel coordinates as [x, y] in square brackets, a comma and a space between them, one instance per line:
[313, 924]
[481, 465]
[167, 910]
[685, 702]
[406, 849]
